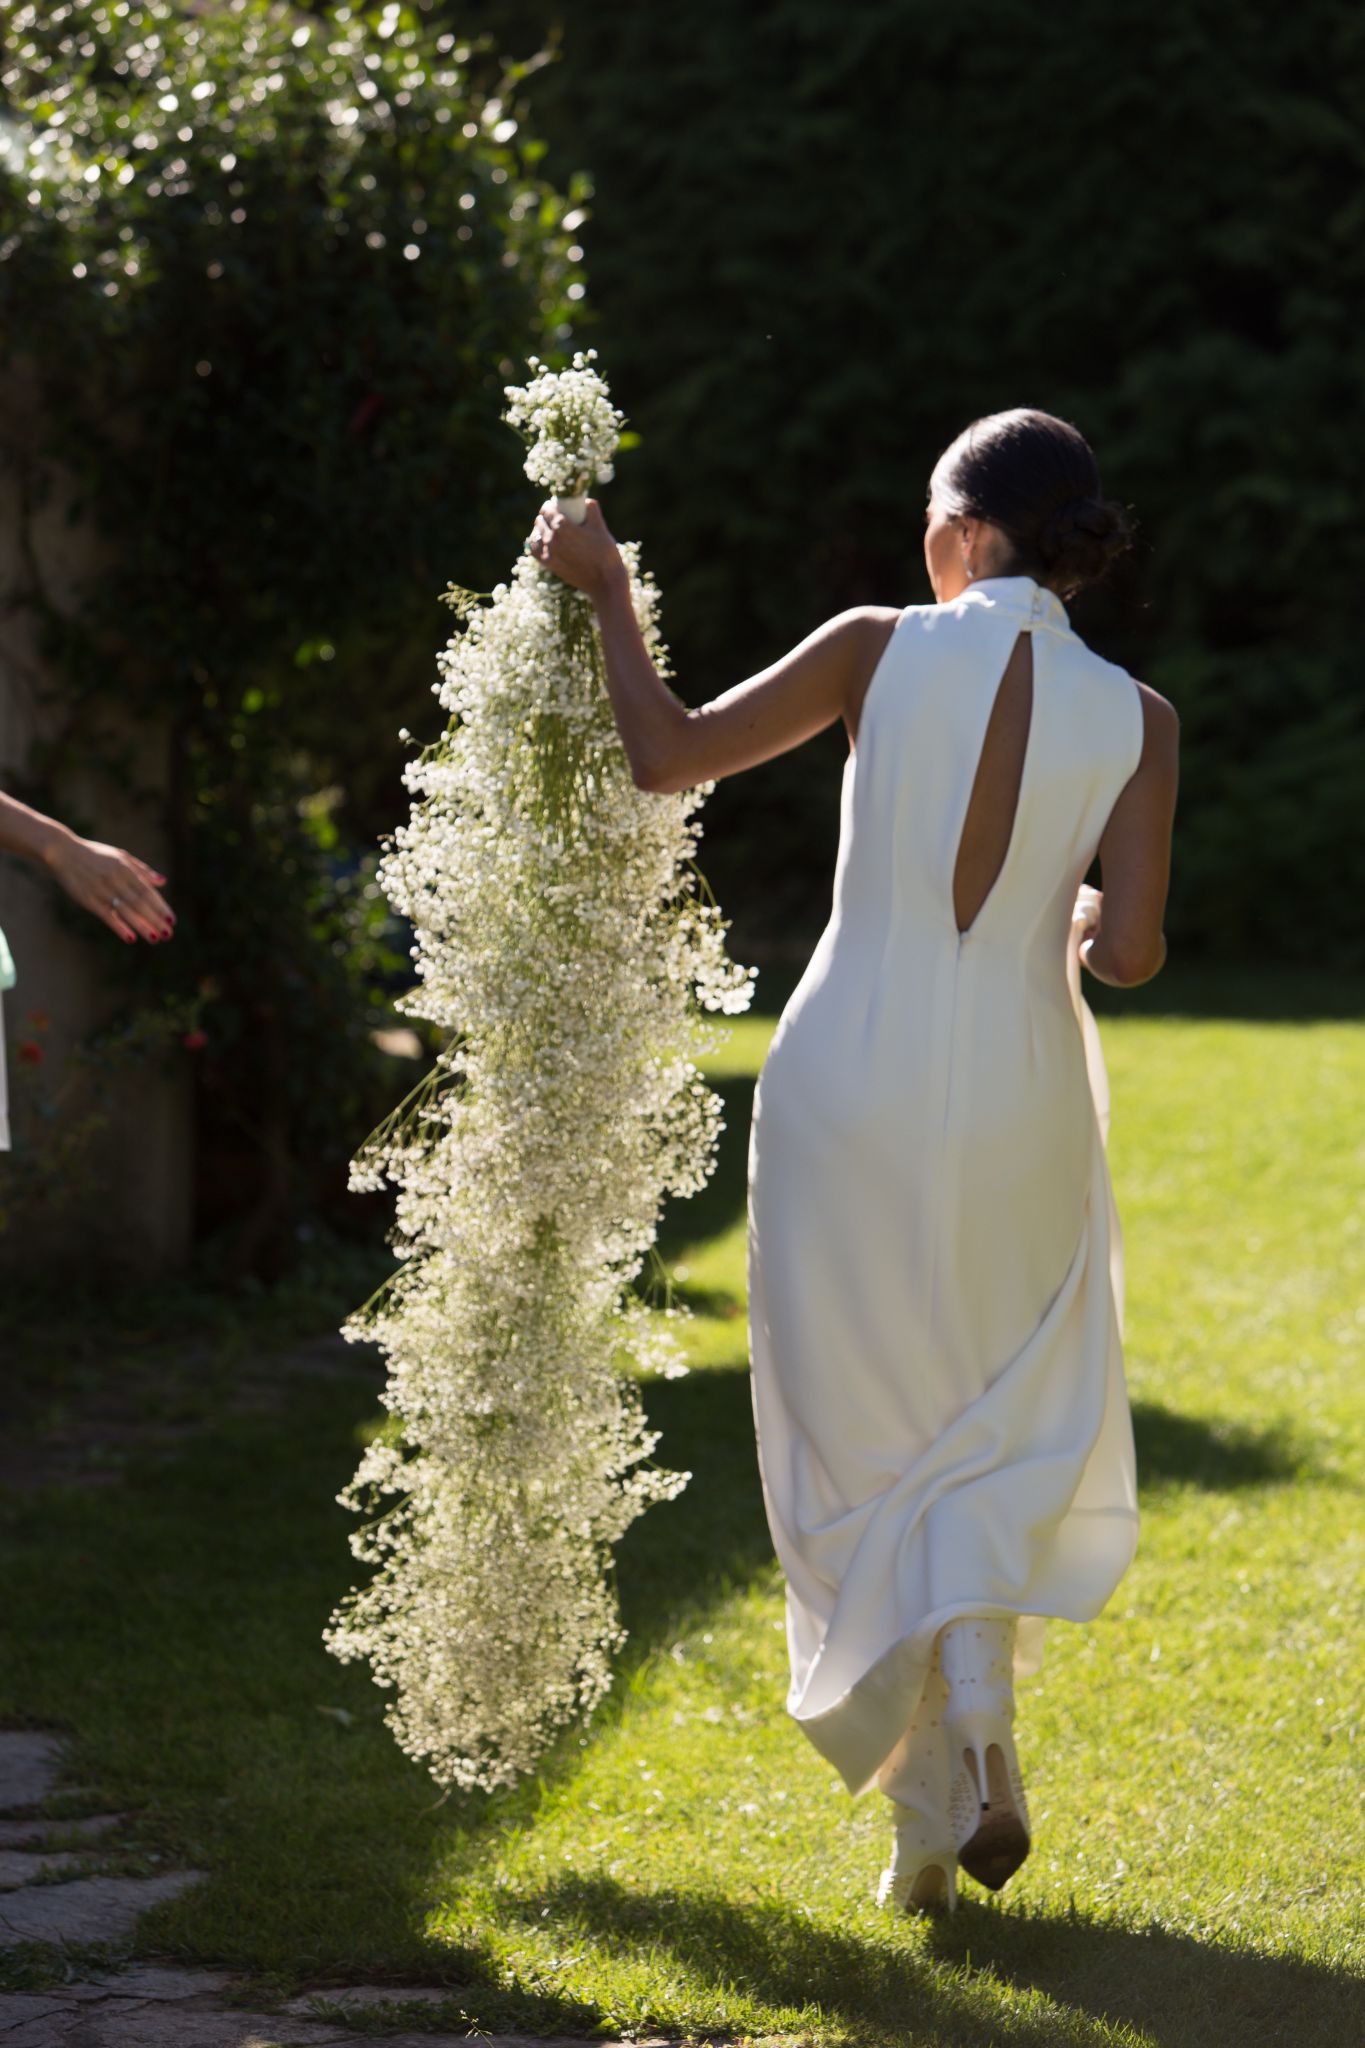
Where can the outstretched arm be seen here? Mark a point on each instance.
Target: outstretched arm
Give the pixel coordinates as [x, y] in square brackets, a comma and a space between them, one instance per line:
[114, 885]
[670, 747]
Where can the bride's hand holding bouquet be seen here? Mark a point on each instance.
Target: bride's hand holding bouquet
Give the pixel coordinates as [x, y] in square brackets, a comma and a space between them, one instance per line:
[580, 551]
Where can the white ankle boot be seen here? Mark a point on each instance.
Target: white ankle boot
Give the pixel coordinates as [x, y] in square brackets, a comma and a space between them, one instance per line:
[987, 1809]
[922, 1874]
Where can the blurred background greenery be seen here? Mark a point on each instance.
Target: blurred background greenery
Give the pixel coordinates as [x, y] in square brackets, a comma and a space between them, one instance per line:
[273, 266]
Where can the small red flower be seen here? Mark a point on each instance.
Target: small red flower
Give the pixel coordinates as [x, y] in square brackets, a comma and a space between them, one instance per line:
[195, 1041]
[31, 1052]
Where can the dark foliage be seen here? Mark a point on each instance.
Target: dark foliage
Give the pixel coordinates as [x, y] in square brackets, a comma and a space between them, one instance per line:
[824, 238]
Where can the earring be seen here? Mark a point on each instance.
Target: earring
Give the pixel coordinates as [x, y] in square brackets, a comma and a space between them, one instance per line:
[968, 567]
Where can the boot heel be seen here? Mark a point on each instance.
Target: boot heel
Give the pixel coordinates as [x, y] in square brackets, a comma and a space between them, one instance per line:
[922, 1874]
[988, 1808]
[919, 1877]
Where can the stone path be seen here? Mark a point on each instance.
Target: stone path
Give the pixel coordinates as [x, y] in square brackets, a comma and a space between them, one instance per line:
[144, 2007]
[185, 2009]
[87, 1908]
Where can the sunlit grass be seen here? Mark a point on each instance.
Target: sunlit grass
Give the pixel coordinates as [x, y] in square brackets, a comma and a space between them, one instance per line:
[689, 1863]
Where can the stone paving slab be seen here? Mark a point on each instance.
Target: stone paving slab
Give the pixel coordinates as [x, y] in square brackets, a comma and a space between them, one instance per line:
[86, 1909]
[124, 2023]
[147, 1981]
[136, 2010]
[28, 1767]
[16, 1869]
[23, 2012]
[361, 1997]
[146, 2007]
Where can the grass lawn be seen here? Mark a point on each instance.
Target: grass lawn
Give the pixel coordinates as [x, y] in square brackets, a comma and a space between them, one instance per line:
[688, 1864]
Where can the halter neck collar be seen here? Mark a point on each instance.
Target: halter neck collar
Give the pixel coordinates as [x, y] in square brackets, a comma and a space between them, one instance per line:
[1020, 593]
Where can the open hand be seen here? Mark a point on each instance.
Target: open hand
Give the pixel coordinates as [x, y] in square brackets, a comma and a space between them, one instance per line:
[585, 556]
[116, 886]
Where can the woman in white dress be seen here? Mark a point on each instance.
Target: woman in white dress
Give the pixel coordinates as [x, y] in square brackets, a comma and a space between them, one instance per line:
[935, 1267]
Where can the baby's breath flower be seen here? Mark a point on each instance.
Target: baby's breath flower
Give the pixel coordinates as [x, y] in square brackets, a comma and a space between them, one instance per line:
[562, 941]
[569, 424]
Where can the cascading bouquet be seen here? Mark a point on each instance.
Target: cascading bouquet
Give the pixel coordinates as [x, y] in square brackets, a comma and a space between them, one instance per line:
[567, 941]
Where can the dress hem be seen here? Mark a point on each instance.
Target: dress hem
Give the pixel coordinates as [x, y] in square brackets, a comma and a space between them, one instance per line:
[851, 1733]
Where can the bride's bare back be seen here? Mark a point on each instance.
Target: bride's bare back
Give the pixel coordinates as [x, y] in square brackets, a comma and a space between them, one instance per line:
[994, 800]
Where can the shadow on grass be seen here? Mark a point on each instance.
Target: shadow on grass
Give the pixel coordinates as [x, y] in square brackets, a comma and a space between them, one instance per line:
[723, 1202]
[685, 1558]
[682, 1558]
[679, 1556]
[1176, 1991]
[675, 1559]
[1184, 1450]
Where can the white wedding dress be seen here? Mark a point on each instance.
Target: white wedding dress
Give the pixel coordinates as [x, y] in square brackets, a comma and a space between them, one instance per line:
[935, 1266]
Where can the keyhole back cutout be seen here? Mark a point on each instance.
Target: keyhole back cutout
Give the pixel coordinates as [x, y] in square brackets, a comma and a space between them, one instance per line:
[989, 824]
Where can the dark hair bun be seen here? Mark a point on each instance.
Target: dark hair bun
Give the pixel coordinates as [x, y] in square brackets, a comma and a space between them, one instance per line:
[1078, 540]
[1035, 477]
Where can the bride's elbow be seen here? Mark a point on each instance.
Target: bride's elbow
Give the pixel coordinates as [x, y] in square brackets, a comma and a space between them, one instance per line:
[663, 762]
[1132, 964]
[662, 777]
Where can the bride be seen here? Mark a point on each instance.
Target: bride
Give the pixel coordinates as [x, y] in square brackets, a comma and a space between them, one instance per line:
[935, 1264]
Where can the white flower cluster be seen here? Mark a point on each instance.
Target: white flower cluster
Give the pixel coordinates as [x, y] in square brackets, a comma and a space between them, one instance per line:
[562, 938]
[569, 424]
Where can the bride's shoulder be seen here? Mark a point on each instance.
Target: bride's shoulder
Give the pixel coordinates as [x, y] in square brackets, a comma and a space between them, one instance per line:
[877, 622]
[862, 629]
[871, 618]
[1160, 725]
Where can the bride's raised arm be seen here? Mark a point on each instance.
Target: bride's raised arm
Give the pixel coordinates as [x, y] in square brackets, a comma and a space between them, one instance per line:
[670, 747]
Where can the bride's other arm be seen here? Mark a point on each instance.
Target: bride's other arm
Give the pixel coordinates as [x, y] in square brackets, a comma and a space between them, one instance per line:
[670, 747]
[1135, 857]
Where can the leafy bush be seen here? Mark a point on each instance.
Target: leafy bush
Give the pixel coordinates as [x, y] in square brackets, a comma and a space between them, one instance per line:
[273, 272]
